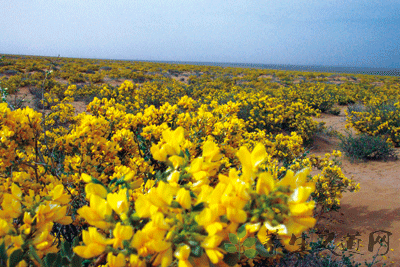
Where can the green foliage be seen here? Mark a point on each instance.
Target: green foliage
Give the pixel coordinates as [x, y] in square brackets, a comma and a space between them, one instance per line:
[366, 147]
[15, 257]
[377, 118]
[238, 248]
[335, 111]
[314, 257]
[96, 77]
[65, 257]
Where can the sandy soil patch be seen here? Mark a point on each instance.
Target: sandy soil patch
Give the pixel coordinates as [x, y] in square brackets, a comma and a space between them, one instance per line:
[376, 207]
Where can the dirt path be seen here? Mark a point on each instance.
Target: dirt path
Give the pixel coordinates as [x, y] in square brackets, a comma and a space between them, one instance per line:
[375, 207]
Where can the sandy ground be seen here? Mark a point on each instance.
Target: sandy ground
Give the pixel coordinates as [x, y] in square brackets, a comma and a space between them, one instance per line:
[29, 100]
[376, 207]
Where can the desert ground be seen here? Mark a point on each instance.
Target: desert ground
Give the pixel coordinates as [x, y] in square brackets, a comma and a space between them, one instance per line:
[375, 207]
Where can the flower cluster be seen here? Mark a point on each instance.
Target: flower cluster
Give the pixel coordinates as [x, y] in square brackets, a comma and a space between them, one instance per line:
[162, 167]
[181, 217]
[27, 221]
[377, 118]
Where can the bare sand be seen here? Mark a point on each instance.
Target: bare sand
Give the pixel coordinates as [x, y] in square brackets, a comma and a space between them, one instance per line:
[375, 207]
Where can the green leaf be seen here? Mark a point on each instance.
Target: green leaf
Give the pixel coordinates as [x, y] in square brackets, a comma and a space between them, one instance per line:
[250, 253]
[125, 244]
[262, 251]
[135, 217]
[198, 207]
[113, 181]
[3, 253]
[58, 261]
[33, 253]
[241, 231]
[193, 243]
[120, 181]
[75, 242]
[175, 204]
[197, 251]
[16, 257]
[50, 259]
[231, 259]
[187, 153]
[230, 248]
[95, 181]
[86, 262]
[233, 238]
[249, 242]
[66, 249]
[76, 261]
[64, 261]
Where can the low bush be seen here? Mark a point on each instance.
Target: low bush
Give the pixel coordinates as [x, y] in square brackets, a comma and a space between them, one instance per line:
[366, 147]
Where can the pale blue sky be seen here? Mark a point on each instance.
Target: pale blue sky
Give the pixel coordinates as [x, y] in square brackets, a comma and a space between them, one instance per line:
[364, 33]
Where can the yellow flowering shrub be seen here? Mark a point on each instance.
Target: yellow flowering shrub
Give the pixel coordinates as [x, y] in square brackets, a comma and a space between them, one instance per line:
[318, 96]
[158, 171]
[181, 216]
[27, 221]
[331, 182]
[376, 118]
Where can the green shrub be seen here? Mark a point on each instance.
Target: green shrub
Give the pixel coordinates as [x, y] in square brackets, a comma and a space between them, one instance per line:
[377, 119]
[334, 111]
[317, 255]
[366, 147]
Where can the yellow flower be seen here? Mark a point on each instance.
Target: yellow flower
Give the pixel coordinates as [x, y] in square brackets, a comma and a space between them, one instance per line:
[97, 212]
[51, 211]
[176, 161]
[210, 244]
[44, 242]
[116, 261]
[159, 154]
[265, 183]
[11, 207]
[96, 189]
[266, 232]
[301, 212]
[297, 180]
[121, 233]
[236, 215]
[135, 261]
[95, 244]
[144, 208]
[139, 242]
[164, 257]
[22, 264]
[119, 202]
[158, 198]
[16, 192]
[183, 198]
[86, 178]
[211, 151]
[173, 140]
[58, 195]
[251, 161]
[4, 227]
[182, 254]
[207, 216]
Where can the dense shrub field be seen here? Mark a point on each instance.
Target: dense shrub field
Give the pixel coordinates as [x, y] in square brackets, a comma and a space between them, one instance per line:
[168, 162]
